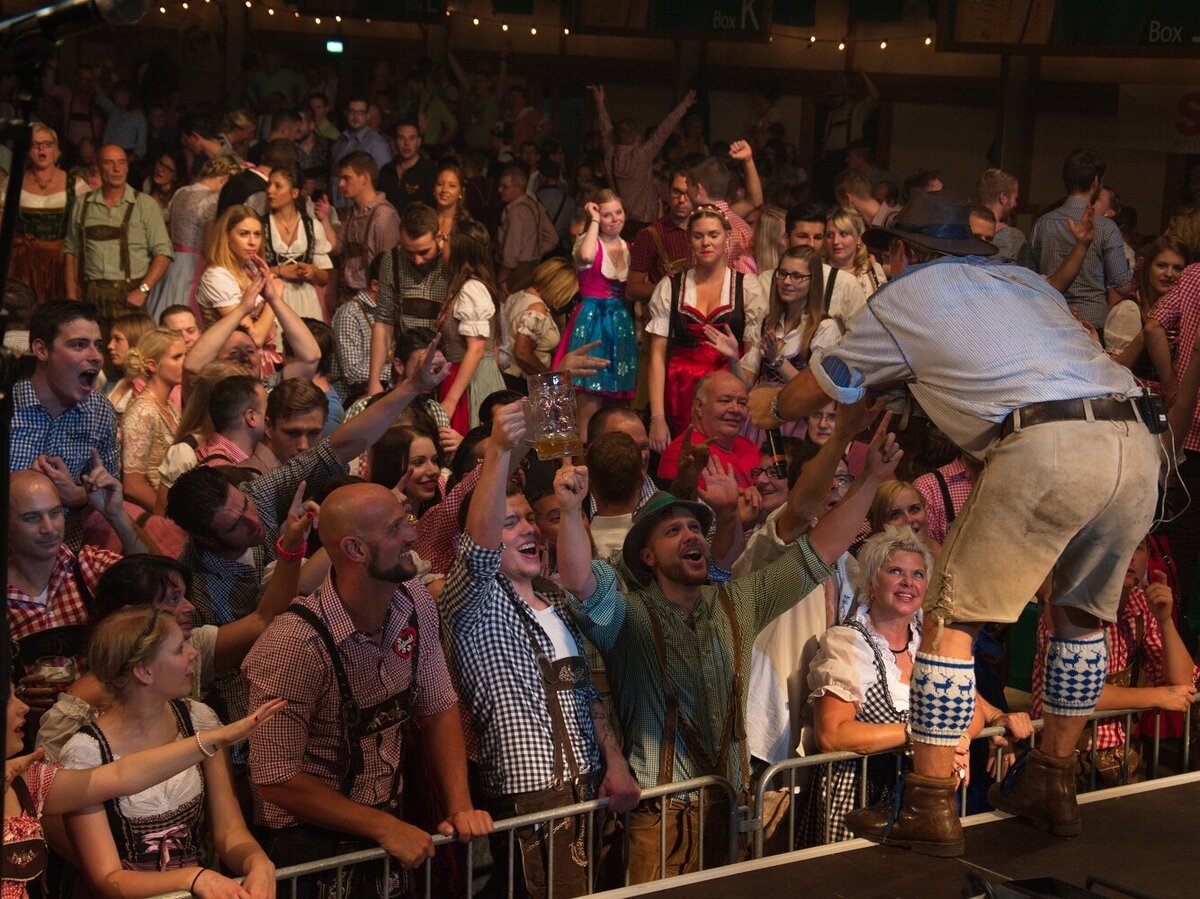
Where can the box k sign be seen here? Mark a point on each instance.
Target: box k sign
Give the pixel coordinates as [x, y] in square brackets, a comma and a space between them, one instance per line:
[1162, 117]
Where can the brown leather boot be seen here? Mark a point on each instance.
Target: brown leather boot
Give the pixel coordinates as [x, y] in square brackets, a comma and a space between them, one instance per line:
[922, 817]
[1040, 788]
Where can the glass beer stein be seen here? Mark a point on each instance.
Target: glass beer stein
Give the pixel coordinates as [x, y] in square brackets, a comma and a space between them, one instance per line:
[555, 417]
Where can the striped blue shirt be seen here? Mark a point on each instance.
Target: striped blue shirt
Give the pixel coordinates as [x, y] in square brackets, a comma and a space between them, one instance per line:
[974, 340]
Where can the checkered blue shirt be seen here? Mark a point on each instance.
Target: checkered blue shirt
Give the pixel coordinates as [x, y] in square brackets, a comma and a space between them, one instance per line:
[91, 424]
[499, 679]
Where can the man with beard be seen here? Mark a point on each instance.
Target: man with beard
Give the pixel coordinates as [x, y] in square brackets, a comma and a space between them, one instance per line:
[412, 285]
[545, 740]
[232, 530]
[678, 649]
[327, 782]
[719, 411]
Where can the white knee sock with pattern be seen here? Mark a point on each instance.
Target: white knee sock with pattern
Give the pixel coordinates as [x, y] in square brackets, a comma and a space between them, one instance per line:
[942, 699]
[1075, 671]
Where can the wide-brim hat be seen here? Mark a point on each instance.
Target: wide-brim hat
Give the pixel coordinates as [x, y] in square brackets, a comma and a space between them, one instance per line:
[644, 519]
[937, 220]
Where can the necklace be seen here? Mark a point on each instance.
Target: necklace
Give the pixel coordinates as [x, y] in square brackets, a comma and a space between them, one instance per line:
[42, 184]
[287, 230]
[898, 651]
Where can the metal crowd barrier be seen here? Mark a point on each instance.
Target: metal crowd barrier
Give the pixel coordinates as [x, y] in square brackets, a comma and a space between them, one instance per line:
[287, 879]
[790, 767]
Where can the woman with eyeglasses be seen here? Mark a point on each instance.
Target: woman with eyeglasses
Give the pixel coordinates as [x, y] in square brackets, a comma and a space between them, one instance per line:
[157, 840]
[47, 198]
[701, 320]
[796, 322]
[164, 180]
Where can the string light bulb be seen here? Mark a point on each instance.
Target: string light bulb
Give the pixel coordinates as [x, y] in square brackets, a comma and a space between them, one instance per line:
[928, 40]
[184, 5]
[566, 32]
[533, 31]
[883, 45]
[337, 19]
[841, 45]
[163, 10]
[270, 11]
[812, 39]
[317, 20]
[504, 27]
[474, 21]
[247, 4]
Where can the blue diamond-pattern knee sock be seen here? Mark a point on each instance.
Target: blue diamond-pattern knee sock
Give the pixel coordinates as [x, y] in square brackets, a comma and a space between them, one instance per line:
[1075, 671]
[942, 699]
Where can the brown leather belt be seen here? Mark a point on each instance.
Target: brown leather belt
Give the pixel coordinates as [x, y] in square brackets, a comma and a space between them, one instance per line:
[1101, 409]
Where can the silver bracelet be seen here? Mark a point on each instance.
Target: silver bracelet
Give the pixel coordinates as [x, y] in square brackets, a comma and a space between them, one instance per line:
[207, 752]
[775, 408]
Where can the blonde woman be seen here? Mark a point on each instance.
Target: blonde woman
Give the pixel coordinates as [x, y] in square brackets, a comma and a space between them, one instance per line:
[770, 238]
[149, 424]
[531, 316]
[845, 250]
[126, 330]
[193, 212]
[900, 504]
[47, 198]
[155, 841]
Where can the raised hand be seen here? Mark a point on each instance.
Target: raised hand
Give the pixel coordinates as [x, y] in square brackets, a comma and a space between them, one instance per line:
[597, 93]
[689, 99]
[723, 341]
[433, 368]
[449, 440]
[105, 493]
[883, 453]
[1159, 597]
[740, 150]
[579, 364]
[1083, 230]
[509, 426]
[571, 485]
[749, 507]
[720, 487]
[301, 519]
[321, 209]
[593, 210]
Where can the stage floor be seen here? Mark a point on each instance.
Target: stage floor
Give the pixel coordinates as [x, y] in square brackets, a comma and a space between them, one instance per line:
[1143, 836]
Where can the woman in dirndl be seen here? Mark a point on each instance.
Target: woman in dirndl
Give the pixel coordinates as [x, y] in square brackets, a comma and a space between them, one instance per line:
[47, 199]
[602, 258]
[701, 320]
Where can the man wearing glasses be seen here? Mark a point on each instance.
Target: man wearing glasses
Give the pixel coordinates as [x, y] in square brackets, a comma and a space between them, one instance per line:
[358, 135]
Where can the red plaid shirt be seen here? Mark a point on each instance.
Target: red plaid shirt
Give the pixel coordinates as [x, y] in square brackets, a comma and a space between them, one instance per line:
[644, 255]
[959, 482]
[739, 245]
[290, 661]
[64, 603]
[438, 531]
[1180, 308]
[1121, 639]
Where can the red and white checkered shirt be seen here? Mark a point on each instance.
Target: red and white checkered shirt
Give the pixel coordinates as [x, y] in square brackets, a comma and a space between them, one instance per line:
[959, 481]
[438, 531]
[220, 450]
[1121, 639]
[64, 603]
[290, 661]
[1180, 307]
[739, 244]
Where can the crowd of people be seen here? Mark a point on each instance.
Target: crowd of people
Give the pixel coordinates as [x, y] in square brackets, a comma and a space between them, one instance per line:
[271, 452]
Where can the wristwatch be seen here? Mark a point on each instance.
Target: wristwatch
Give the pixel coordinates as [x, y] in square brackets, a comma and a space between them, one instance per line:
[144, 287]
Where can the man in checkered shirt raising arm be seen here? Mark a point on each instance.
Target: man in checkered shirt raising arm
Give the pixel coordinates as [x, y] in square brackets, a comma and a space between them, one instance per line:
[544, 738]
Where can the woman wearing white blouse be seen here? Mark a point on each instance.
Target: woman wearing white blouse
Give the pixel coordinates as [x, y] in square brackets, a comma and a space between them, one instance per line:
[295, 246]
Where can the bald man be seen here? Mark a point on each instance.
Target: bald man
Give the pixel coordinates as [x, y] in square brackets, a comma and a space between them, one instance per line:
[50, 588]
[369, 637]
